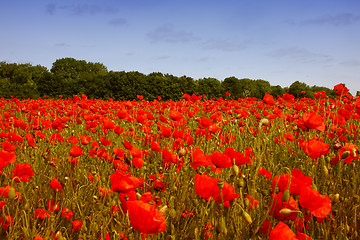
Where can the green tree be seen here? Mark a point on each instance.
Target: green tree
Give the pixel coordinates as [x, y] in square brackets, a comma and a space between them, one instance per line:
[232, 85]
[261, 88]
[300, 89]
[277, 90]
[211, 87]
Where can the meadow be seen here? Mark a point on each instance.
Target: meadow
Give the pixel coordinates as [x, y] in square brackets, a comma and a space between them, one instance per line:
[272, 168]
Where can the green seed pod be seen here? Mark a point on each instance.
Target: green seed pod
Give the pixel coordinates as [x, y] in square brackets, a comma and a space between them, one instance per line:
[12, 193]
[286, 195]
[138, 196]
[220, 184]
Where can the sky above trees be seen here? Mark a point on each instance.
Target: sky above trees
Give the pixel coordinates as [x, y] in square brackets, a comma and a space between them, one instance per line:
[280, 41]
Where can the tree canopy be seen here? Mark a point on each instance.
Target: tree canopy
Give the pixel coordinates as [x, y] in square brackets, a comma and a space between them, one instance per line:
[69, 77]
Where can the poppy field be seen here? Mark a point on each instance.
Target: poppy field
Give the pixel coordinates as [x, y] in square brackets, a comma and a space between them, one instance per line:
[272, 168]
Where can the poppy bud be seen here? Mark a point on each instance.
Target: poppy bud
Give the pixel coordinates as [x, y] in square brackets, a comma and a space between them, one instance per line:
[11, 193]
[182, 152]
[220, 226]
[247, 217]
[286, 211]
[196, 233]
[335, 198]
[26, 206]
[235, 170]
[264, 121]
[286, 195]
[345, 154]
[325, 171]
[241, 183]
[246, 202]
[172, 213]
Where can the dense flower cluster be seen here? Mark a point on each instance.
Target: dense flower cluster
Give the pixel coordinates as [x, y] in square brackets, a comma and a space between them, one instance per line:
[148, 167]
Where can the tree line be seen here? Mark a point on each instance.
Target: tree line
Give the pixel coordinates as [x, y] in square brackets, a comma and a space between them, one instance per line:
[69, 77]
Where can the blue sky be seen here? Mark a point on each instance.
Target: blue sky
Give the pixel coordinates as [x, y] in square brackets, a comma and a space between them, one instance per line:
[280, 41]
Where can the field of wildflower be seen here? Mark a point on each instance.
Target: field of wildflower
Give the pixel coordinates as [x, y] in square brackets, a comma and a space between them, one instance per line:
[271, 168]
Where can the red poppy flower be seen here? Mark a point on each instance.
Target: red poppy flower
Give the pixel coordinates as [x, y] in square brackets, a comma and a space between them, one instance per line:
[85, 139]
[175, 115]
[108, 124]
[66, 213]
[267, 174]
[105, 142]
[298, 181]
[7, 146]
[23, 172]
[312, 120]
[221, 160]
[138, 162]
[6, 158]
[145, 217]
[340, 89]
[265, 227]
[121, 182]
[268, 99]
[319, 205]
[199, 159]
[76, 225]
[302, 236]
[41, 214]
[206, 187]
[5, 223]
[56, 185]
[289, 136]
[282, 232]
[214, 128]
[315, 148]
[76, 151]
[155, 146]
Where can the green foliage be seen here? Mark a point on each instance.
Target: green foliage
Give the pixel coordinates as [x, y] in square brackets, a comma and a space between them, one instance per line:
[69, 77]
